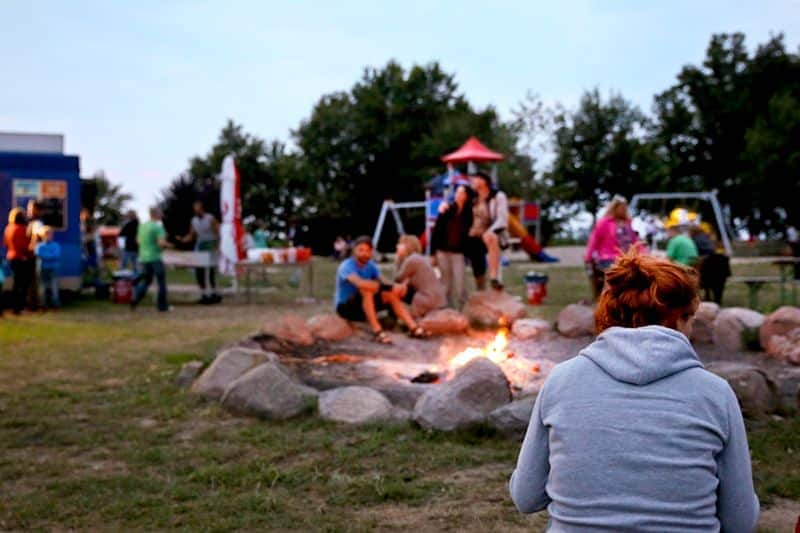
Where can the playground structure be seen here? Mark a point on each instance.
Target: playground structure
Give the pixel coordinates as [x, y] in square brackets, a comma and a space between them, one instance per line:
[711, 197]
[441, 187]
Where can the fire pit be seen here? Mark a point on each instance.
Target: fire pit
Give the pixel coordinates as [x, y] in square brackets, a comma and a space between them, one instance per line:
[408, 367]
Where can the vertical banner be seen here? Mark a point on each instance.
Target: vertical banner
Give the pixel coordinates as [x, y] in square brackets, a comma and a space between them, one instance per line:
[231, 232]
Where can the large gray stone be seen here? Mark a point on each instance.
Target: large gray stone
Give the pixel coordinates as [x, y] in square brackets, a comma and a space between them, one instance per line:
[576, 320]
[736, 328]
[329, 327]
[512, 419]
[291, 329]
[757, 392]
[228, 366]
[445, 322]
[786, 347]
[530, 328]
[477, 389]
[780, 323]
[189, 372]
[704, 322]
[268, 391]
[354, 405]
[493, 308]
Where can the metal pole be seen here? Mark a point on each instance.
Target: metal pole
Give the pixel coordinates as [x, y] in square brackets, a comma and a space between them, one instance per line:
[723, 232]
[376, 235]
[427, 222]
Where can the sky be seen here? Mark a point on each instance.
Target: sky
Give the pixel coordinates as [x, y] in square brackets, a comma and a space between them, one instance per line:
[139, 87]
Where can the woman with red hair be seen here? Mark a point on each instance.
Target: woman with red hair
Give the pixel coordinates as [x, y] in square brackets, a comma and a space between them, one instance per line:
[633, 434]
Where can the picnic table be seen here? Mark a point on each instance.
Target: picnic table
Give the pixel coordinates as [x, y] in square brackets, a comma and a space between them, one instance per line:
[244, 269]
[785, 279]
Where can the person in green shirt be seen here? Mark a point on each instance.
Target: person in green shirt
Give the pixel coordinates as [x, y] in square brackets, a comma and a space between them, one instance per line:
[681, 248]
[152, 239]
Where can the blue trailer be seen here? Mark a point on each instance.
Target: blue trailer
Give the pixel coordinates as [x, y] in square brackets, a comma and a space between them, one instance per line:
[53, 181]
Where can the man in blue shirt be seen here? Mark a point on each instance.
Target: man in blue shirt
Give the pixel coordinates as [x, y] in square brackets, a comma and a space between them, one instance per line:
[361, 292]
[49, 253]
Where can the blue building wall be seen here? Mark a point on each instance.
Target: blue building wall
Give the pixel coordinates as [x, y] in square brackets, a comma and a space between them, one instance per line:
[31, 169]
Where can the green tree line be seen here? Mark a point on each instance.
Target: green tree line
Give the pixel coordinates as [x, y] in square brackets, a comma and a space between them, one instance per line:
[731, 124]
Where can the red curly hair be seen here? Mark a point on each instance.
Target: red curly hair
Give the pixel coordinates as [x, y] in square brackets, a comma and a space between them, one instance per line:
[642, 290]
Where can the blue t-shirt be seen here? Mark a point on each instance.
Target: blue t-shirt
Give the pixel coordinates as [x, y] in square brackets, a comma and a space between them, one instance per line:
[344, 289]
[49, 253]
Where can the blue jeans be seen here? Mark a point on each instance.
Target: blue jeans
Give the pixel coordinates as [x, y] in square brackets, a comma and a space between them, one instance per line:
[49, 280]
[150, 270]
[129, 258]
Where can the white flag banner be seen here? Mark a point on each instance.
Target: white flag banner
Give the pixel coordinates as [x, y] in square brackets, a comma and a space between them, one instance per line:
[231, 232]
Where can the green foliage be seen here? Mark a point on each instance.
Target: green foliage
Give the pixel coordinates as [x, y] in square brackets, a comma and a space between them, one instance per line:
[111, 200]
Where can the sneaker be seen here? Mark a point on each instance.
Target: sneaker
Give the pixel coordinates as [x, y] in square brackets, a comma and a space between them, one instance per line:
[544, 257]
[204, 300]
[215, 299]
[496, 284]
[167, 310]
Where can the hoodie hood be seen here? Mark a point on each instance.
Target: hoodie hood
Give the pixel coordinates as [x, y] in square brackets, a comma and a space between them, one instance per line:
[642, 355]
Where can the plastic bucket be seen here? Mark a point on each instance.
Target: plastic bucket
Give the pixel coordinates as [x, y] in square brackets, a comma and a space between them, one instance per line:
[122, 287]
[535, 287]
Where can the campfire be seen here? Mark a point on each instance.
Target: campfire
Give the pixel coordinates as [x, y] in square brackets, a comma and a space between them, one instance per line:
[495, 351]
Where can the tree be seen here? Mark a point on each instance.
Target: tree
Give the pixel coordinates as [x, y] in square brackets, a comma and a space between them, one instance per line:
[384, 138]
[111, 201]
[725, 124]
[599, 151]
[272, 183]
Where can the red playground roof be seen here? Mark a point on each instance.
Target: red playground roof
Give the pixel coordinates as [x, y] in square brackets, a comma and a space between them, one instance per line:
[472, 150]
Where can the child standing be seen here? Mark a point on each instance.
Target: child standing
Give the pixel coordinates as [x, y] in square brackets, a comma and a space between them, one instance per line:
[49, 253]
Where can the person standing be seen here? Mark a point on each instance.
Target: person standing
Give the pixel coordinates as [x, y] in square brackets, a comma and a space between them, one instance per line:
[20, 257]
[130, 250]
[49, 253]
[613, 235]
[680, 247]
[420, 288]
[204, 231]
[449, 243]
[793, 238]
[152, 239]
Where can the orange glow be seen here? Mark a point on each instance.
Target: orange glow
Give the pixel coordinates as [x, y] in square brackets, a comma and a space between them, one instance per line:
[495, 351]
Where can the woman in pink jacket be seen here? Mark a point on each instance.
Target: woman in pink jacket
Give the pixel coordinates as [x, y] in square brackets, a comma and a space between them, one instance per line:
[611, 237]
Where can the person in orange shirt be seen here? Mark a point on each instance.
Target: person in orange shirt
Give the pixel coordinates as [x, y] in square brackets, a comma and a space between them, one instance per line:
[20, 257]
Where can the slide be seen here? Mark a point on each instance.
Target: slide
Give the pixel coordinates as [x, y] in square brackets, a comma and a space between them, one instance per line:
[527, 241]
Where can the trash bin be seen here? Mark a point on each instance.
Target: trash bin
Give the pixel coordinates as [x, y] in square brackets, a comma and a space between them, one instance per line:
[122, 287]
[535, 287]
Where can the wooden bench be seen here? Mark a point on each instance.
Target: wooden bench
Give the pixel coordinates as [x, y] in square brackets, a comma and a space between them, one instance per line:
[755, 284]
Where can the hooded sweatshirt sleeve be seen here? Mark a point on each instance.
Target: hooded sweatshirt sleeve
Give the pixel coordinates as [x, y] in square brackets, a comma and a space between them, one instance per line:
[528, 481]
[737, 504]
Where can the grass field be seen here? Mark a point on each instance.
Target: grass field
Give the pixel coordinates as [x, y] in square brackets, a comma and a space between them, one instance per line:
[95, 436]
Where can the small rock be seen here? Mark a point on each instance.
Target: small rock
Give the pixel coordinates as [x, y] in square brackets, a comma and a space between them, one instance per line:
[576, 320]
[354, 405]
[291, 329]
[781, 322]
[445, 322]
[757, 392]
[189, 372]
[493, 308]
[329, 327]
[477, 389]
[513, 419]
[704, 322]
[736, 328]
[267, 391]
[228, 366]
[529, 328]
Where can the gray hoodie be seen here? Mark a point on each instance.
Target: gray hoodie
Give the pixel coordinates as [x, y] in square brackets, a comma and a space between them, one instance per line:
[634, 435]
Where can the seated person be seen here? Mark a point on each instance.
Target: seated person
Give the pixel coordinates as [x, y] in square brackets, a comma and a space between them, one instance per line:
[420, 286]
[361, 292]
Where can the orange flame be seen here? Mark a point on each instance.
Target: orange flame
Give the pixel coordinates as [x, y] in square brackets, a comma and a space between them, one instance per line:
[495, 351]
